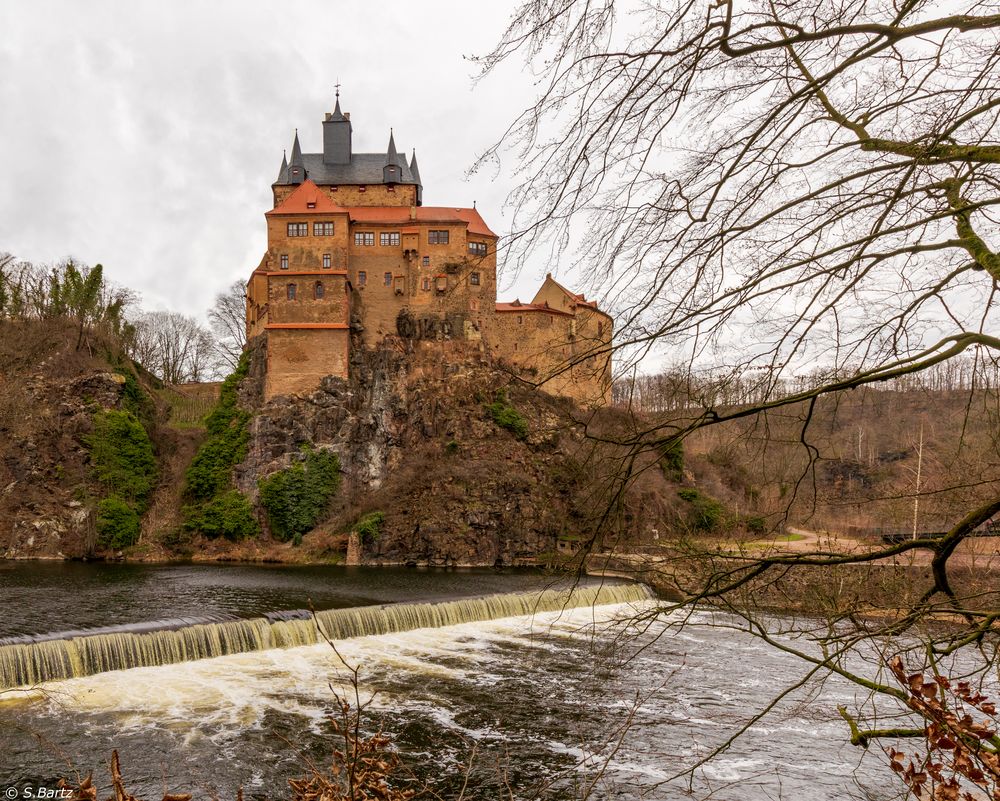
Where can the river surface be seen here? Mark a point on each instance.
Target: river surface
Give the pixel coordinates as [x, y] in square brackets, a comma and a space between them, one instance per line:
[547, 704]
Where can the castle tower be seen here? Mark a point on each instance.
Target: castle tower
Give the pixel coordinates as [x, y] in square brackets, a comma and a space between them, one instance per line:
[337, 136]
[354, 259]
[391, 171]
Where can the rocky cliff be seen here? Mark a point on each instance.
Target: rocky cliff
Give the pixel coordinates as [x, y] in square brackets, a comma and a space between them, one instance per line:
[417, 443]
[52, 390]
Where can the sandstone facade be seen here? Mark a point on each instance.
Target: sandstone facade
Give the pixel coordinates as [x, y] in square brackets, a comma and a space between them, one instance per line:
[354, 258]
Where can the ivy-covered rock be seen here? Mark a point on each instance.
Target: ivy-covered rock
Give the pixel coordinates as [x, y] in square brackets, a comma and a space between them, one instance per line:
[295, 499]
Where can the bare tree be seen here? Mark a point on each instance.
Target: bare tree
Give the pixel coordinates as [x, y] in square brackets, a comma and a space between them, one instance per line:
[764, 186]
[227, 318]
[174, 347]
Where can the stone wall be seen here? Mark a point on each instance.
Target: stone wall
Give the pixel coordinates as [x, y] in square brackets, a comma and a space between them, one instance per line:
[320, 297]
[306, 252]
[562, 353]
[367, 195]
[299, 359]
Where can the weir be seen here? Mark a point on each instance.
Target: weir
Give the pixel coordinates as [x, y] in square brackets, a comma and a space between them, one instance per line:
[30, 663]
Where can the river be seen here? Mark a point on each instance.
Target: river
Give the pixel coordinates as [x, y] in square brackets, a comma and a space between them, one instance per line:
[541, 698]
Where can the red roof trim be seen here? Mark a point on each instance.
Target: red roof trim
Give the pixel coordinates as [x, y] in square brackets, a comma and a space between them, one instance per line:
[306, 272]
[338, 326]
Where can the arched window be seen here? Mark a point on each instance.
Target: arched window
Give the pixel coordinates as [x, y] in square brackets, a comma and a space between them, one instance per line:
[318, 290]
[291, 291]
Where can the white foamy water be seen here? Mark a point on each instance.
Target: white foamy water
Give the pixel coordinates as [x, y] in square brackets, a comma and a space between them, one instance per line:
[542, 691]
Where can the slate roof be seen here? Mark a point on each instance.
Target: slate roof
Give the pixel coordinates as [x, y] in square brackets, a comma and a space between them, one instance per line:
[365, 168]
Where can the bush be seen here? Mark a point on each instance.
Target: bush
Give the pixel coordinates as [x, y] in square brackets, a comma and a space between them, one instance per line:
[706, 514]
[217, 509]
[122, 455]
[506, 416]
[225, 445]
[369, 527]
[227, 515]
[117, 523]
[295, 499]
[672, 460]
[755, 525]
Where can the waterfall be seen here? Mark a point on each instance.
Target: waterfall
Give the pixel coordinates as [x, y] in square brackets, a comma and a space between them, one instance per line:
[29, 663]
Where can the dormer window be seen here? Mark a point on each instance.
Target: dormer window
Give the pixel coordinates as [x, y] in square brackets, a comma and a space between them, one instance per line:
[311, 204]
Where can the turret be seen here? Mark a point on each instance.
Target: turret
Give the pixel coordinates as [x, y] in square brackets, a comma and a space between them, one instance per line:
[297, 168]
[392, 172]
[416, 178]
[337, 137]
[283, 169]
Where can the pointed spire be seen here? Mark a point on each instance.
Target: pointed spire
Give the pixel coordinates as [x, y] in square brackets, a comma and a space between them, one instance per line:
[283, 171]
[413, 167]
[296, 168]
[391, 157]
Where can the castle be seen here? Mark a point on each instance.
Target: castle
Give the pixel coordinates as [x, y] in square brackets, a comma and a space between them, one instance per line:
[353, 257]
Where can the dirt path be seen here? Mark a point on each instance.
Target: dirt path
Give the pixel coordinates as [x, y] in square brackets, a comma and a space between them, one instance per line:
[178, 448]
[982, 553]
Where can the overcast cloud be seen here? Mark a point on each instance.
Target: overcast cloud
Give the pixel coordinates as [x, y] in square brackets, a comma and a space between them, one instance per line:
[145, 135]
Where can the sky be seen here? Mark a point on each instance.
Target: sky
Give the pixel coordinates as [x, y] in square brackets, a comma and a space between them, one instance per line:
[145, 135]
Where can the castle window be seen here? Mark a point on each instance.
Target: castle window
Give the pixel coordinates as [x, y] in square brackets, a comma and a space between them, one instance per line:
[389, 238]
[362, 188]
[426, 261]
[515, 344]
[364, 238]
[474, 279]
[388, 279]
[318, 290]
[284, 262]
[362, 277]
[520, 319]
[390, 188]
[323, 229]
[437, 237]
[477, 248]
[290, 291]
[426, 284]
[327, 261]
[298, 229]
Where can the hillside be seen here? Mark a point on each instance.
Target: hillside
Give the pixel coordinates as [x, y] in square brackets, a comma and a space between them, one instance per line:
[53, 414]
[429, 455]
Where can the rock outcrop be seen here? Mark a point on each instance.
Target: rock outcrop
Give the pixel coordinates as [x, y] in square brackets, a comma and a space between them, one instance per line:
[416, 443]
